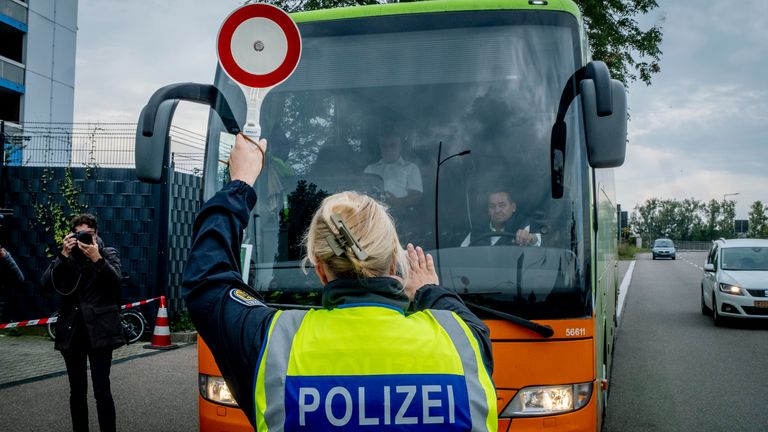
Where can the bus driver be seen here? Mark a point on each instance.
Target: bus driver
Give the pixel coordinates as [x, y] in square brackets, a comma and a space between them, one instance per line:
[505, 226]
[384, 351]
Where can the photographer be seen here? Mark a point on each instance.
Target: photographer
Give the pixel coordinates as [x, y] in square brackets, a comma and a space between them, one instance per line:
[87, 276]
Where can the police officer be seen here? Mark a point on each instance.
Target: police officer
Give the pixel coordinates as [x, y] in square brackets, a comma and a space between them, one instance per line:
[389, 352]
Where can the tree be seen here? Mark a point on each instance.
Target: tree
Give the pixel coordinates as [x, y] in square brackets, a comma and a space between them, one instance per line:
[758, 220]
[644, 220]
[726, 226]
[614, 34]
[711, 215]
[688, 217]
[308, 5]
[616, 38]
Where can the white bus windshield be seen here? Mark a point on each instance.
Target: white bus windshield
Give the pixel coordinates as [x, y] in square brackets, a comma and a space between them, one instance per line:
[367, 109]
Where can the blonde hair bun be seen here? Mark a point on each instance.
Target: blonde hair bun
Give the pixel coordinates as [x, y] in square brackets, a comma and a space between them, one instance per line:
[370, 225]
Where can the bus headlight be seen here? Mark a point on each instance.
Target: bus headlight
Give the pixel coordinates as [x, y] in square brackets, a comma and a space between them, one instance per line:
[548, 400]
[214, 389]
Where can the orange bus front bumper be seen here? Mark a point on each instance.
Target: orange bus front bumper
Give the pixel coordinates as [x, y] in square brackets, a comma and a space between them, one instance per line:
[220, 418]
[581, 421]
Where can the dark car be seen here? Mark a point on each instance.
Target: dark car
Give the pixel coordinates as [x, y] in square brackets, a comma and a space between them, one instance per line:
[663, 248]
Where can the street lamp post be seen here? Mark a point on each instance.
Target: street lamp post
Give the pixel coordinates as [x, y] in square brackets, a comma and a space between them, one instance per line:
[437, 192]
[724, 197]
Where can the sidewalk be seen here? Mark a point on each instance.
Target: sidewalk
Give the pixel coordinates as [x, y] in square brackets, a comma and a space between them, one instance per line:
[30, 358]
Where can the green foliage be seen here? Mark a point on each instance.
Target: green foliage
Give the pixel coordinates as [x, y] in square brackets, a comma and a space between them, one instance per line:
[758, 220]
[50, 212]
[53, 215]
[688, 219]
[616, 38]
[627, 251]
[614, 34]
[295, 219]
[181, 322]
[308, 5]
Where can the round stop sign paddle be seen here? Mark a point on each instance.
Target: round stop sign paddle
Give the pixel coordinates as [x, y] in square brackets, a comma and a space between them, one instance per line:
[259, 45]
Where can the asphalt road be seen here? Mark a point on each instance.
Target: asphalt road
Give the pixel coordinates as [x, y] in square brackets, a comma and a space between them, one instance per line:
[673, 369]
[155, 393]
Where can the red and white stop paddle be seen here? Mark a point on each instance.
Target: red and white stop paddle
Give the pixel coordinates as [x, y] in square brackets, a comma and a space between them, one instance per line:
[259, 47]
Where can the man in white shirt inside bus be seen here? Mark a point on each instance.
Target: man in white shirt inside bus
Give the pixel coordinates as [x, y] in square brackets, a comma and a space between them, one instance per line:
[402, 179]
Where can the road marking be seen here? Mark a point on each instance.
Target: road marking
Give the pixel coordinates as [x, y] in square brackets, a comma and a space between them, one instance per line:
[623, 290]
[693, 264]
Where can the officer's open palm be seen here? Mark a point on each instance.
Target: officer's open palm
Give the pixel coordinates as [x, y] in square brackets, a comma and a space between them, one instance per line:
[422, 270]
[246, 159]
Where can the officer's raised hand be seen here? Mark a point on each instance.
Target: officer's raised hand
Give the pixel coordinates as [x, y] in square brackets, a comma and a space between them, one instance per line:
[246, 159]
[422, 270]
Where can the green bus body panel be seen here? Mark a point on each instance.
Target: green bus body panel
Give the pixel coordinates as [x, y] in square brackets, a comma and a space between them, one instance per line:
[430, 6]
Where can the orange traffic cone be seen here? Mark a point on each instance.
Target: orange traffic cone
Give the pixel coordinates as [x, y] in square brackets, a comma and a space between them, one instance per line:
[161, 335]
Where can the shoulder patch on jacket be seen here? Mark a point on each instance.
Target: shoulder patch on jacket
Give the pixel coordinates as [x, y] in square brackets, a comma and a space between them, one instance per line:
[244, 298]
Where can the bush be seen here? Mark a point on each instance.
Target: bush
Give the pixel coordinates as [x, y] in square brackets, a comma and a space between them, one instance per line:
[627, 251]
[181, 322]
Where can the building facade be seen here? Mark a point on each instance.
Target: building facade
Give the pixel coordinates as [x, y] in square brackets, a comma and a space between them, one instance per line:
[37, 67]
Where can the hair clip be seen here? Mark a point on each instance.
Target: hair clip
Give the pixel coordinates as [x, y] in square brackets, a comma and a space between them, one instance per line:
[344, 239]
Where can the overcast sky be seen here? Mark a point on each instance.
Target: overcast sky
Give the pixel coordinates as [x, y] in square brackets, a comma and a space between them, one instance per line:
[700, 130]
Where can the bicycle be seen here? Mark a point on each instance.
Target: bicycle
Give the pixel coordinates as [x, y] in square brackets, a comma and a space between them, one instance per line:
[134, 325]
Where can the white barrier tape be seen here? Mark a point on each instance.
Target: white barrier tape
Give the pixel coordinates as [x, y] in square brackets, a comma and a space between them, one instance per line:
[139, 303]
[43, 321]
[27, 323]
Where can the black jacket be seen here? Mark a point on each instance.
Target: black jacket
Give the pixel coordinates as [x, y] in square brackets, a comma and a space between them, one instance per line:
[481, 235]
[90, 299]
[10, 274]
[235, 326]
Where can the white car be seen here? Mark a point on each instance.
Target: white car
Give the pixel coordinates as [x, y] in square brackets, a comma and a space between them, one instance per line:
[735, 280]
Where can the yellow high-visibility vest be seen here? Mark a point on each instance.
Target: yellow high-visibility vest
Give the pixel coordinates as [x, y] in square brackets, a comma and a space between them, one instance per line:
[370, 367]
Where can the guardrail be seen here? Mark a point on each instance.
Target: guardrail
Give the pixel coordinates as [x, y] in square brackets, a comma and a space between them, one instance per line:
[106, 145]
[688, 245]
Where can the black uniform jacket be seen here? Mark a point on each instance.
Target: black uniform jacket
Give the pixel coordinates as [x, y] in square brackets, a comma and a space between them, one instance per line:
[90, 301]
[235, 328]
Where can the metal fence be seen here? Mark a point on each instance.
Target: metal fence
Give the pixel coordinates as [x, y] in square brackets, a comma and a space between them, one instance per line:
[693, 245]
[106, 145]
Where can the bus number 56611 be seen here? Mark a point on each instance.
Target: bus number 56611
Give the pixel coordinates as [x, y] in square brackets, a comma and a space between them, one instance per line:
[576, 331]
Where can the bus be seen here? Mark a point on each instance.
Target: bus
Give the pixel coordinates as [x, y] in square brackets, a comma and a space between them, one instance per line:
[484, 96]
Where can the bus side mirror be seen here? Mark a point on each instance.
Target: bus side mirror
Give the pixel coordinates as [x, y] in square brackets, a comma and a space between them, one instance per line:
[151, 151]
[152, 144]
[606, 134]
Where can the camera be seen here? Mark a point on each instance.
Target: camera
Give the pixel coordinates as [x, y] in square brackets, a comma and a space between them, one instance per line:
[84, 236]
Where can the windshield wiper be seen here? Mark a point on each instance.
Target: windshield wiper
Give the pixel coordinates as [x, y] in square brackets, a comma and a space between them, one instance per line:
[545, 331]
